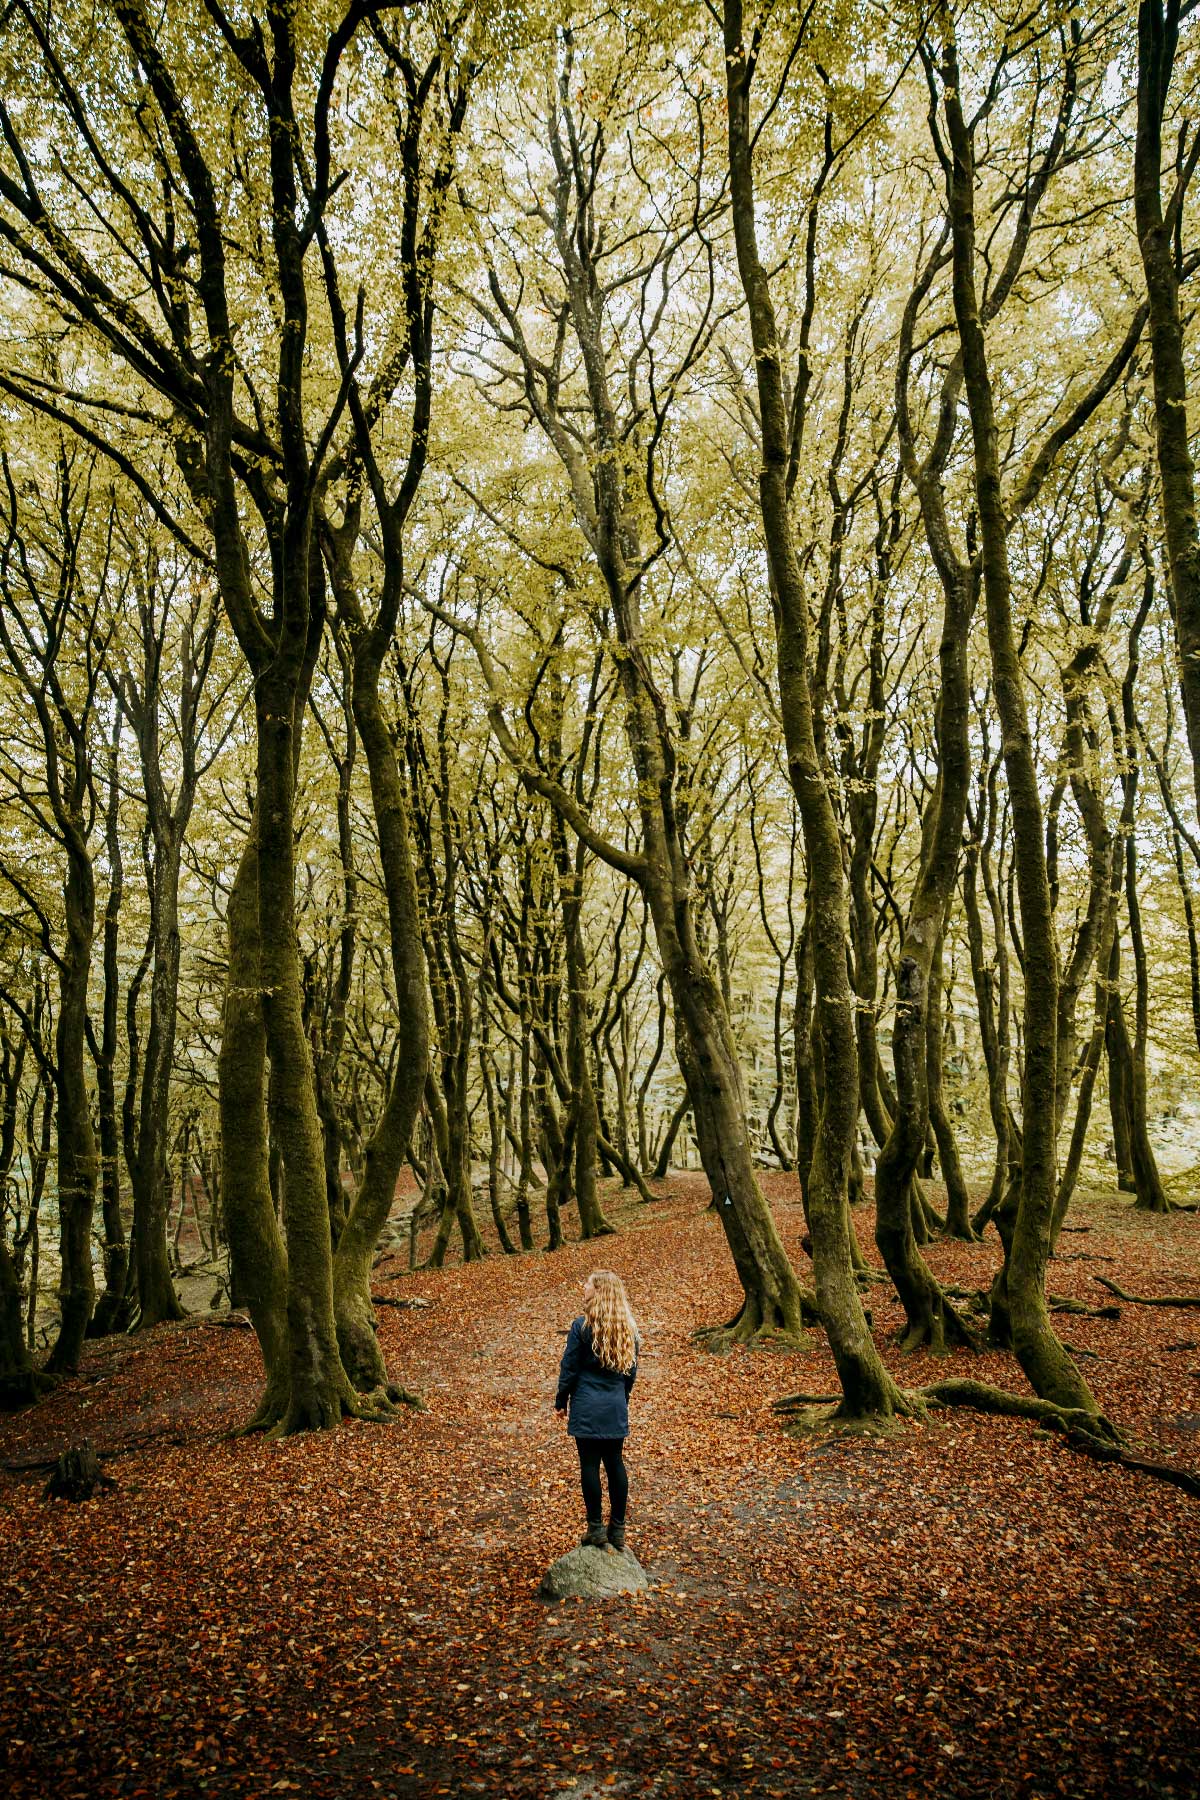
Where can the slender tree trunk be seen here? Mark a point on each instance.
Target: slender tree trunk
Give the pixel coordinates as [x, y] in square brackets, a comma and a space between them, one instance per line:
[77, 1161]
[662, 1163]
[592, 1222]
[996, 1064]
[386, 1147]
[495, 1134]
[1158, 36]
[1120, 1077]
[558, 1141]
[807, 1109]
[20, 1379]
[157, 1299]
[525, 1173]
[111, 1312]
[958, 1201]
[1150, 1193]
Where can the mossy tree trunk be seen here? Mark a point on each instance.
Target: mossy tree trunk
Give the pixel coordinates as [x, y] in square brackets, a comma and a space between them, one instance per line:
[1150, 1195]
[867, 1387]
[1046, 1363]
[319, 1392]
[258, 1261]
[20, 1379]
[386, 1147]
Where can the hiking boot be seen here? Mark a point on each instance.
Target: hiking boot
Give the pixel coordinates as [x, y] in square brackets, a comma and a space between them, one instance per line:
[616, 1533]
[596, 1534]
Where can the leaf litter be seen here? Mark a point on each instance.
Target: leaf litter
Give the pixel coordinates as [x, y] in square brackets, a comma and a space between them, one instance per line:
[965, 1607]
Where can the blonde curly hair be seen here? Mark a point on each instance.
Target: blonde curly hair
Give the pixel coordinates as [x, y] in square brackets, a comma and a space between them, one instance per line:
[611, 1322]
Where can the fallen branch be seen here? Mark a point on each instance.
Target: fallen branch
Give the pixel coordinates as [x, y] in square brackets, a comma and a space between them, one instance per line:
[1147, 1299]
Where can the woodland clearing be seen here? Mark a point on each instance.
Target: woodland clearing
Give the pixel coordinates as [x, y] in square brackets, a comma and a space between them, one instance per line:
[965, 1607]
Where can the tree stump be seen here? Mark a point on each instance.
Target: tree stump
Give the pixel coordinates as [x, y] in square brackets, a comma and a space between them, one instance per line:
[77, 1475]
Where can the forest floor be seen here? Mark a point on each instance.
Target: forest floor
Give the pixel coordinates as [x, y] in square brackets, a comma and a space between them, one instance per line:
[966, 1608]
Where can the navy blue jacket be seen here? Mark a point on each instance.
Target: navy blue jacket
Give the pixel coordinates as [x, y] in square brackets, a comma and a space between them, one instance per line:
[598, 1396]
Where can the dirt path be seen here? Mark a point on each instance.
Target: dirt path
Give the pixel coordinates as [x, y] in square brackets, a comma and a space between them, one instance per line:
[966, 1607]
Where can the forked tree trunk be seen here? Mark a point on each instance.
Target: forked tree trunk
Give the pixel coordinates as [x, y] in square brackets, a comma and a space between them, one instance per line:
[1046, 1363]
[866, 1385]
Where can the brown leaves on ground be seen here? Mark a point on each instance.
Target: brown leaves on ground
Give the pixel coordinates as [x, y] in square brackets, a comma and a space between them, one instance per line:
[967, 1607]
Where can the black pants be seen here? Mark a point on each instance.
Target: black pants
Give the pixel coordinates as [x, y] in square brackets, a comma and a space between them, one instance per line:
[593, 1452]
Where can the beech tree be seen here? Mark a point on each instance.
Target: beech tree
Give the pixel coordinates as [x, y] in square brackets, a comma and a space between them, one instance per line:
[583, 593]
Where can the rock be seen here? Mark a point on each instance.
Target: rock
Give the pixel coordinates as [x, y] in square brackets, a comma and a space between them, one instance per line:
[591, 1574]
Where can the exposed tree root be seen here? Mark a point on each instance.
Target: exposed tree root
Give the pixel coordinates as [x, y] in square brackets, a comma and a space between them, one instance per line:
[820, 1421]
[1062, 1303]
[721, 1338]
[1147, 1299]
[982, 1397]
[110, 1452]
[268, 1412]
[813, 1415]
[1089, 1433]
[402, 1396]
[942, 1330]
[975, 1298]
[327, 1412]
[762, 1325]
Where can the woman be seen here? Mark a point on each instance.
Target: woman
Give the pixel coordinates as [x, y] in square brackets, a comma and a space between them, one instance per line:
[599, 1367]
